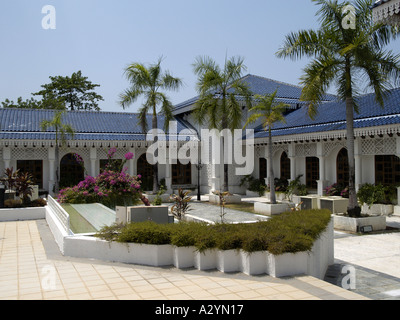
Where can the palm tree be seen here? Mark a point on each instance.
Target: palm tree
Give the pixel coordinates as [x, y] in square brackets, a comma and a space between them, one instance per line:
[221, 90]
[342, 55]
[270, 112]
[62, 132]
[147, 82]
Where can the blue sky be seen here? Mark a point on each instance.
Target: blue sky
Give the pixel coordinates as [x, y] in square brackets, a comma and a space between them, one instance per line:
[101, 38]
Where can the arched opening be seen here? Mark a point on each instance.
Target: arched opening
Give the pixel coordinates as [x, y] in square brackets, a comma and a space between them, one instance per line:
[312, 172]
[387, 170]
[146, 170]
[71, 171]
[342, 167]
[285, 166]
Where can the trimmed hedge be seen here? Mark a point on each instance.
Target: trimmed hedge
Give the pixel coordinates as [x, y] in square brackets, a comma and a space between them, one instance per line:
[288, 232]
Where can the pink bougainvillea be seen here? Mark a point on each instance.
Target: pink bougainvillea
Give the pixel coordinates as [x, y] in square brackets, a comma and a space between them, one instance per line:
[113, 186]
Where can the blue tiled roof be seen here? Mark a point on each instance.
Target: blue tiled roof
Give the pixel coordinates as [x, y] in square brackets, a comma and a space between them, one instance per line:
[287, 93]
[332, 116]
[25, 124]
[379, 2]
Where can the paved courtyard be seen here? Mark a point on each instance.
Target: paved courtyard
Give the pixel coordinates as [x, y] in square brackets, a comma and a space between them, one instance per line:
[31, 267]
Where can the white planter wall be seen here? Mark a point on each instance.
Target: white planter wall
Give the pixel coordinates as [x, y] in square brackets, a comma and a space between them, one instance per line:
[19, 214]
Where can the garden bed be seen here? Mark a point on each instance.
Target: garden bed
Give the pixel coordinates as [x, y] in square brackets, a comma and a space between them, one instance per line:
[289, 244]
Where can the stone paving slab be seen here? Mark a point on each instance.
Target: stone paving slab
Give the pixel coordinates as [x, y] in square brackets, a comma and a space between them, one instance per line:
[31, 268]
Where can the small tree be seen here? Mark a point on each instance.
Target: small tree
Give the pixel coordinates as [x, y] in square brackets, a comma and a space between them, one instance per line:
[148, 82]
[270, 112]
[23, 186]
[181, 206]
[62, 131]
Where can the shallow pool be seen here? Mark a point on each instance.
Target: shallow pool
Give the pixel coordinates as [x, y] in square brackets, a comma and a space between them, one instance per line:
[89, 218]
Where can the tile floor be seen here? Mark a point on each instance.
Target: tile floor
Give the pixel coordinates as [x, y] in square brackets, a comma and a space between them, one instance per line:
[26, 272]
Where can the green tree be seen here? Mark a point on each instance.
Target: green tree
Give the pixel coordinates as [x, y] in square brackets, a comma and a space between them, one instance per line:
[221, 90]
[74, 93]
[147, 82]
[343, 54]
[270, 112]
[62, 132]
[23, 104]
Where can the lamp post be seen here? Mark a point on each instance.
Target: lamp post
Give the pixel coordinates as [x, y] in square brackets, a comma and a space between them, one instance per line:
[199, 166]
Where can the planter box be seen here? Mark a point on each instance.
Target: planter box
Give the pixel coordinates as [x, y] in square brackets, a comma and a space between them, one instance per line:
[287, 264]
[18, 214]
[205, 260]
[334, 204]
[254, 263]
[270, 209]
[235, 198]
[378, 209]
[9, 195]
[228, 260]
[157, 214]
[183, 257]
[280, 196]
[396, 210]
[94, 248]
[252, 194]
[353, 224]
[309, 202]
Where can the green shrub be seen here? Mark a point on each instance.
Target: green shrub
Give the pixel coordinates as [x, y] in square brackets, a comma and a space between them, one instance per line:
[372, 194]
[146, 233]
[289, 232]
[184, 234]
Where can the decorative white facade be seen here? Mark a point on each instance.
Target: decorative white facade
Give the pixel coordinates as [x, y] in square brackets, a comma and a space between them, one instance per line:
[387, 11]
[314, 149]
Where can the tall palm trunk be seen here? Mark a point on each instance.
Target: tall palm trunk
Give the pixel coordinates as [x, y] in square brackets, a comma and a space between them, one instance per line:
[225, 140]
[353, 208]
[272, 195]
[155, 166]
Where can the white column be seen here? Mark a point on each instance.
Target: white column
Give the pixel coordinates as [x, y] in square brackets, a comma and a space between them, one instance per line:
[133, 163]
[93, 158]
[7, 157]
[52, 169]
[321, 182]
[292, 158]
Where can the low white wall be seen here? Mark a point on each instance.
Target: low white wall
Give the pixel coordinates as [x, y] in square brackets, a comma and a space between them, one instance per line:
[353, 224]
[56, 228]
[19, 214]
[314, 263]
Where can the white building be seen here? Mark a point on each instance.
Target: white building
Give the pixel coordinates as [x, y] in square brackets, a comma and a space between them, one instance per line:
[315, 149]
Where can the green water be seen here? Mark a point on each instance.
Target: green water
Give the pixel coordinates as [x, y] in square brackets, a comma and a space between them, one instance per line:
[78, 224]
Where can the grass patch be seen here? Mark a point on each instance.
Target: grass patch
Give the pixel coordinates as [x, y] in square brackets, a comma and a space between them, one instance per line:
[289, 232]
[243, 206]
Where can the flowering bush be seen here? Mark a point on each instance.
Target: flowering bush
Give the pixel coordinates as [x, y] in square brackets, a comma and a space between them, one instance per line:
[337, 189]
[112, 187]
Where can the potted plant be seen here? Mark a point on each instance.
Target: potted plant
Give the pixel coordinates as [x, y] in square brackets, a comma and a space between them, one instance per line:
[376, 199]
[181, 205]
